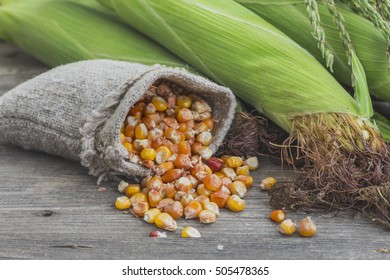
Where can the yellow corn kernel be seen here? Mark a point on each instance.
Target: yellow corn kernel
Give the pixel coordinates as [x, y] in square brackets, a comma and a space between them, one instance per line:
[132, 189]
[277, 216]
[201, 190]
[207, 217]
[184, 184]
[252, 163]
[242, 170]
[202, 199]
[229, 172]
[186, 199]
[122, 186]
[183, 101]
[212, 206]
[220, 198]
[148, 154]
[151, 214]
[212, 182]
[122, 137]
[140, 208]
[192, 210]
[165, 202]
[141, 131]
[267, 183]
[175, 210]
[235, 203]
[287, 227]
[184, 115]
[154, 198]
[225, 157]
[190, 232]
[205, 138]
[307, 228]
[129, 147]
[183, 127]
[122, 203]
[162, 154]
[138, 197]
[162, 168]
[234, 162]
[238, 188]
[165, 221]
[155, 183]
[160, 103]
[246, 179]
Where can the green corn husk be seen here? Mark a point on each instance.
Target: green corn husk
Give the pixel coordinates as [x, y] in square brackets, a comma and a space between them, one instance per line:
[292, 18]
[59, 31]
[342, 150]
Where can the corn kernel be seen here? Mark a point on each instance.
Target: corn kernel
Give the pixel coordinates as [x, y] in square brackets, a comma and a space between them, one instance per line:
[174, 135]
[183, 101]
[138, 197]
[200, 127]
[150, 109]
[184, 148]
[162, 154]
[179, 195]
[129, 131]
[183, 184]
[148, 154]
[267, 183]
[159, 103]
[122, 186]
[207, 217]
[212, 182]
[129, 147]
[155, 183]
[225, 190]
[200, 106]
[171, 122]
[145, 191]
[163, 89]
[175, 210]
[149, 123]
[242, 170]
[246, 179]
[156, 233]
[162, 168]
[187, 198]
[206, 152]
[151, 214]
[122, 138]
[201, 175]
[183, 127]
[165, 221]
[234, 162]
[287, 227]
[229, 172]
[277, 216]
[226, 181]
[205, 138]
[201, 190]
[204, 116]
[122, 203]
[202, 199]
[252, 163]
[155, 133]
[220, 198]
[190, 232]
[145, 181]
[189, 133]
[238, 188]
[163, 203]
[141, 131]
[209, 123]
[132, 189]
[307, 228]
[183, 161]
[212, 206]
[154, 198]
[195, 148]
[168, 190]
[192, 210]
[139, 144]
[235, 203]
[133, 121]
[140, 208]
[215, 164]
[172, 175]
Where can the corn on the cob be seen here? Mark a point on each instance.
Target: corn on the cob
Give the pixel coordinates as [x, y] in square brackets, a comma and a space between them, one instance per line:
[235, 47]
[292, 18]
[62, 31]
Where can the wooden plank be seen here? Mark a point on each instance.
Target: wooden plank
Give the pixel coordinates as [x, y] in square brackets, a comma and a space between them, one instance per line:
[51, 209]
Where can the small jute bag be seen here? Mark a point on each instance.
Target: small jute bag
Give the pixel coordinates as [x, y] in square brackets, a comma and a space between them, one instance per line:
[76, 111]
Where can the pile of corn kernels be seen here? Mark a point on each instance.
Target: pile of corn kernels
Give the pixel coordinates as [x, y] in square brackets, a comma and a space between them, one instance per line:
[169, 131]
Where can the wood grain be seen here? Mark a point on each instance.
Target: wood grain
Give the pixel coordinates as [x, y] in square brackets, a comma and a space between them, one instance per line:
[50, 209]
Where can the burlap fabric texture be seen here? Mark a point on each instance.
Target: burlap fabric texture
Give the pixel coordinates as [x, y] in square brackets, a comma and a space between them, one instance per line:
[76, 111]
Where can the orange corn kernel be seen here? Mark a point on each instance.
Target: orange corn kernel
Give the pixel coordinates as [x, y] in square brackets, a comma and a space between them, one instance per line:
[192, 210]
[184, 148]
[246, 179]
[183, 161]
[172, 175]
[212, 182]
[277, 216]
[175, 210]
[155, 183]
[184, 115]
[220, 198]
[154, 198]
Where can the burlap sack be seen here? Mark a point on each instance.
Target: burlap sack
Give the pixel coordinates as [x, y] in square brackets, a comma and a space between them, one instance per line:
[76, 111]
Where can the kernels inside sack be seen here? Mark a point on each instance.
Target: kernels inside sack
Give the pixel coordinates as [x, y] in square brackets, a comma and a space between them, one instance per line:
[169, 131]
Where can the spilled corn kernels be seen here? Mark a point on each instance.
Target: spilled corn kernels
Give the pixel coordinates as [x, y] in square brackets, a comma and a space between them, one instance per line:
[169, 130]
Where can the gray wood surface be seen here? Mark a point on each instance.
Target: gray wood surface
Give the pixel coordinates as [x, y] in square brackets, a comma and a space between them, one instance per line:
[50, 209]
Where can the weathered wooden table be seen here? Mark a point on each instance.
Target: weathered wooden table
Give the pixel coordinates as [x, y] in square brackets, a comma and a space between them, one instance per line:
[50, 209]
